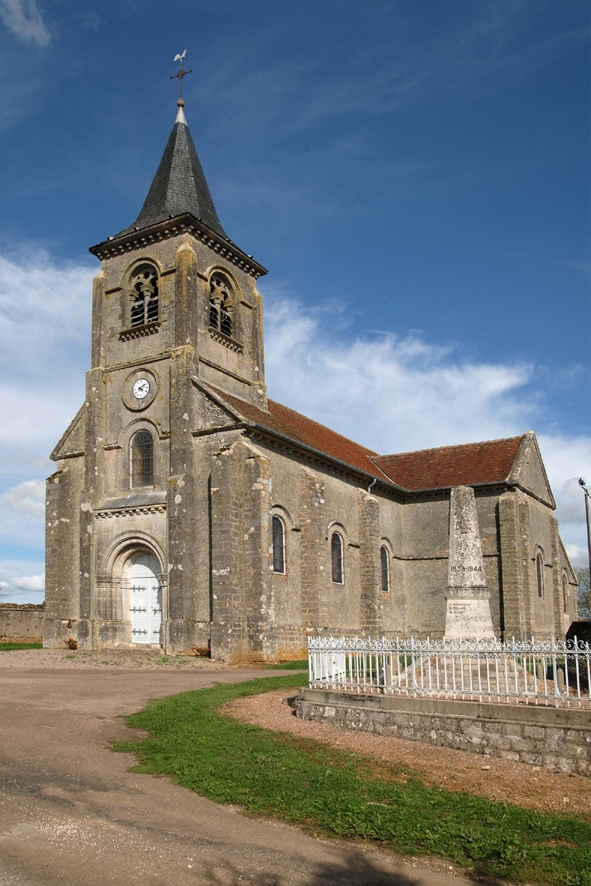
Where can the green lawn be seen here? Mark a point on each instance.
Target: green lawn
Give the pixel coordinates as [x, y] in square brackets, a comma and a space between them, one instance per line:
[299, 665]
[348, 795]
[9, 647]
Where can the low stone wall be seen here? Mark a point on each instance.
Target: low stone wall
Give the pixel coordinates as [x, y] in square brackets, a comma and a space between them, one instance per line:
[24, 621]
[555, 738]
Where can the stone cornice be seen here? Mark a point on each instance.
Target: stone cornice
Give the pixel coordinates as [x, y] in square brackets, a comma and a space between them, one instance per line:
[130, 512]
[225, 340]
[139, 331]
[174, 227]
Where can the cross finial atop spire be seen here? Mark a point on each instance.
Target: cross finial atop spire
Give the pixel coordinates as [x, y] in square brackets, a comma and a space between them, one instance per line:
[181, 73]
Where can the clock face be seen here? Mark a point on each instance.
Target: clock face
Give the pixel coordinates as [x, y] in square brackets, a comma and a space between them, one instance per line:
[141, 388]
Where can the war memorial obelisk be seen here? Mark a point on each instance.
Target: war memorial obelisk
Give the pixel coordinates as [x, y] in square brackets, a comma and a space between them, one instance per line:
[468, 598]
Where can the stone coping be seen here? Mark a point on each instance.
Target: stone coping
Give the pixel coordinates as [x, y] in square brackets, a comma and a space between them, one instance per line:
[572, 718]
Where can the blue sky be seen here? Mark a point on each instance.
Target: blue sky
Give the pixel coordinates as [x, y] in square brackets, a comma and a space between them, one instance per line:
[414, 174]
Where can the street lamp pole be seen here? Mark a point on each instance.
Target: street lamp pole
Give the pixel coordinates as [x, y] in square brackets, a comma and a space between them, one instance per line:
[587, 499]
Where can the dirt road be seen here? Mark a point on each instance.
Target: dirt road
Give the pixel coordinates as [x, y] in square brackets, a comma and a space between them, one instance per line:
[71, 814]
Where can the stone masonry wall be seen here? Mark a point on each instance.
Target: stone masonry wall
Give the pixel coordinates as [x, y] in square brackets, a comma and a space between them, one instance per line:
[24, 621]
[555, 738]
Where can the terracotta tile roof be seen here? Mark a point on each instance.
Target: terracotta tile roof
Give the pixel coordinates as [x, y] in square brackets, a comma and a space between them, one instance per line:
[487, 462]
[296, 426]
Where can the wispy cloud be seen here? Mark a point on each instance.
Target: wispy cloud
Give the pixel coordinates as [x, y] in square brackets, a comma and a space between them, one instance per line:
[583, 266]
[22, 581]
[45, 334]
[45, 312]
[391, 393]
[30, 582]
[26, 498]
[25, 20]
[501, 42]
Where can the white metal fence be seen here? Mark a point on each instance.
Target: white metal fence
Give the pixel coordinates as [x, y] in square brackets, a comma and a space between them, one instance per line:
[550, 672]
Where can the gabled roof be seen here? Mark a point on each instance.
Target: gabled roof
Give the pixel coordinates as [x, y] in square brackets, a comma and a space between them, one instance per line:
[179, 185]
[467, 464]
[470, 464]
[293, 425]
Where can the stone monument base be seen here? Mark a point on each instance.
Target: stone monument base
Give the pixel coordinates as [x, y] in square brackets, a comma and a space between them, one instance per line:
[468, 615]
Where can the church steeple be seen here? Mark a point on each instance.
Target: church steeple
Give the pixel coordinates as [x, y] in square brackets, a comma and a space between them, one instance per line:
[179, 185]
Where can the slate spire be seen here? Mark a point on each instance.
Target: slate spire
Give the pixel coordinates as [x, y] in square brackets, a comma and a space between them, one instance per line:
[179, 184]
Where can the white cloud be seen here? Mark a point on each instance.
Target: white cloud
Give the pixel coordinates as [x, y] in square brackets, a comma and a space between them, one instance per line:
[24, 19]
[26, 498]
[29, 582]
[565, 457]
[391, 394]
[578, 556]
[22, 512]
[396, 394]
[21, 581]
[45, 330]
[43, 300]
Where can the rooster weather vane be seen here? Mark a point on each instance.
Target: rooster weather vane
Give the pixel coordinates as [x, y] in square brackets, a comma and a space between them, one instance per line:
[181, 73]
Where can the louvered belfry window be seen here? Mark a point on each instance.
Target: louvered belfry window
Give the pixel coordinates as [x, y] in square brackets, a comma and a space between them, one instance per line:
[278, 545]
[220, 304]
[336, 555]
[144, 296]
[142, 459]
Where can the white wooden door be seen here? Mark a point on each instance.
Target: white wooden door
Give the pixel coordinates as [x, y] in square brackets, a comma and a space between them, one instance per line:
[145, 599]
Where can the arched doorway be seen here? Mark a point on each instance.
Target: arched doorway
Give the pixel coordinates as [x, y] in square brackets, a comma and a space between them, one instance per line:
[145, 598]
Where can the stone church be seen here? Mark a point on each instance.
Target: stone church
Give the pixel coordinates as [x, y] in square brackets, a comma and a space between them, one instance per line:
[188, 509]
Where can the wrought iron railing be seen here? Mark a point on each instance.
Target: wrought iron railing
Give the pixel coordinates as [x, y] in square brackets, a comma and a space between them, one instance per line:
[539, 672]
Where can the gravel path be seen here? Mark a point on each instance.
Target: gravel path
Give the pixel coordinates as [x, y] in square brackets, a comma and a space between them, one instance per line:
[104, 658]
[517, 783]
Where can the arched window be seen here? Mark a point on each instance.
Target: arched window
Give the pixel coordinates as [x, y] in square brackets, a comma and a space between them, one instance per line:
[385, 566]
[540, 574]
[142, 459]
[144, 296]
[336, 556]
[564, 593]
[278, 545]
[220, 304]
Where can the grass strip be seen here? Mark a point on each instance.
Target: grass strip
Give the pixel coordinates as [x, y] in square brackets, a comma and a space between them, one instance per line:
[349, 795]
[299, 665]
[10, 647]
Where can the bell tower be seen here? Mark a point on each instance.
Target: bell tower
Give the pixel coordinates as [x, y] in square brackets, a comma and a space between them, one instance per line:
[175, 306]
[174, 279]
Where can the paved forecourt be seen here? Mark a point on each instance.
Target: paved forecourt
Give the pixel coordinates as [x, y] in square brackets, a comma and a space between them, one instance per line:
[71, 813]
